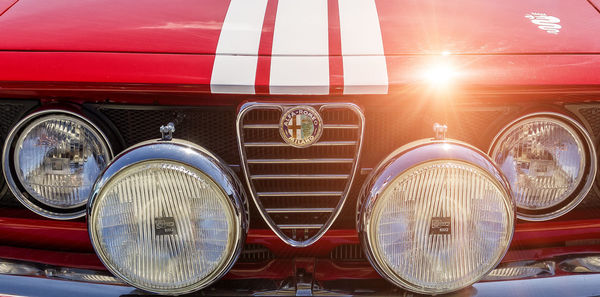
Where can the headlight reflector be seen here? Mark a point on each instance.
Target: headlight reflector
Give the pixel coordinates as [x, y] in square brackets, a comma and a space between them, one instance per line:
[58, 158]
[549, 161]
[437, 218]
[164, 225]
[51, 160]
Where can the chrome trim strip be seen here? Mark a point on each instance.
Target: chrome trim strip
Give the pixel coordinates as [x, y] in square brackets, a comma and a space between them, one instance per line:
[261, 126]
[583, 264]
[340, 126]
[9, 174]
[275, 126]
[298, 194]
[300, 226]
[298, 210]
[299, 176]
[521, 269]
[300, 161]
[320, 143]
[591, 160]
[244, 109]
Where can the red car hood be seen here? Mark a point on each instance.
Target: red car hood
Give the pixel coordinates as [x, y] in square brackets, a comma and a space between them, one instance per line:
[407, 27]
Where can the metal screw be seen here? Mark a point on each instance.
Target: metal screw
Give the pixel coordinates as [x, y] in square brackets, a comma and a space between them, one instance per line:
[167, 131]
[440, 131]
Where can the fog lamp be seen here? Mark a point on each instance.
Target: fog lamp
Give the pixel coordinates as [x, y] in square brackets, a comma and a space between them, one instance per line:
[436, 217]
[51, 160]
[549, 161]
[167, 217]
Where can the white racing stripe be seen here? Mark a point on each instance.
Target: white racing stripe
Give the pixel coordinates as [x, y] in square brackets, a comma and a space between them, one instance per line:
[234, 69]
[300, 53]
[365, 69]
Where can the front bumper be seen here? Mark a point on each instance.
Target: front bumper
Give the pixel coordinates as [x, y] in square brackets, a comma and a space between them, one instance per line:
[572, 272]
[569, 285]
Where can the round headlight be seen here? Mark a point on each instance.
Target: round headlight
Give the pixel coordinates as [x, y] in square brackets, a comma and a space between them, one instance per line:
[549, 161]
[51, 160]
[436, 218]
[167, 217]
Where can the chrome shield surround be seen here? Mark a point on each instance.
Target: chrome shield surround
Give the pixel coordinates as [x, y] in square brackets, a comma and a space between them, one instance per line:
[402, 159]
[8, 167]
[588, 177]
[193, 155]
[283, 107]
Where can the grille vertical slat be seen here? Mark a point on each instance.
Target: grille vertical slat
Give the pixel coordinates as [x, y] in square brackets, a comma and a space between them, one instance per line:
[275, 126]
[277, 172]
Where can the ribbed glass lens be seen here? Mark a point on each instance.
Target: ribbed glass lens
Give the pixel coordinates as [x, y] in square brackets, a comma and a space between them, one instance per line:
[441, 226]
[58, 158]
[163, 226]
[543, 160]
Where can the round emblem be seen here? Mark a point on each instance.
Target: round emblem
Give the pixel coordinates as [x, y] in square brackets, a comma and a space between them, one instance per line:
[301, 126]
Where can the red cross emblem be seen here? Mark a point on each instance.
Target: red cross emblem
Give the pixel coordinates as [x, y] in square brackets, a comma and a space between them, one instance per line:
[295, 128]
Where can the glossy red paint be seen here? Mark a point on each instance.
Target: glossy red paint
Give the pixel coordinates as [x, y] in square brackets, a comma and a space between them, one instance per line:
[107, 67]
[44, 234]
[6, 5]
[492, 27]
[336, 65]
[149, 26]
[274, 269]
[328, 270]
[191, 73]
[112, 42]
[55, 258]
[187, 26]
[548, 233]
[546, 253]
[595, 3]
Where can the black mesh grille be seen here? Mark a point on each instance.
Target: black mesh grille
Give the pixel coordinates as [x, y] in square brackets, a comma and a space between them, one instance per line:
[11, 111]
[211, 127]
[387, 130]
[589, 114]
[592, 116]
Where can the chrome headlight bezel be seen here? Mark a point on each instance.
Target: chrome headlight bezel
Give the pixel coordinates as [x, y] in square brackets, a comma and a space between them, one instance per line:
[589, 172]
[189, 154]
[403, 159]
[12, 178]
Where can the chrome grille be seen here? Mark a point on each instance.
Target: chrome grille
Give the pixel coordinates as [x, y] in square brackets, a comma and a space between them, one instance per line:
[299, 191]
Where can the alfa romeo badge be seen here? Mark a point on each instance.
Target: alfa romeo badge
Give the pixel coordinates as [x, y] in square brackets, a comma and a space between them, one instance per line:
[301, 126]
